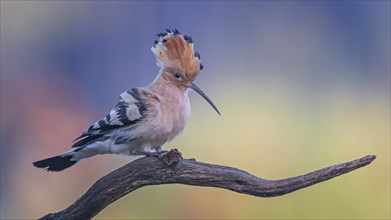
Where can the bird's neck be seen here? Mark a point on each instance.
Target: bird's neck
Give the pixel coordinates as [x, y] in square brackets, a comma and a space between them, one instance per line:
[174, 103]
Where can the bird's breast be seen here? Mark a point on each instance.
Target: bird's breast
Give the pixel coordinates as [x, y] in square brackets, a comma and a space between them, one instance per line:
[175, 114]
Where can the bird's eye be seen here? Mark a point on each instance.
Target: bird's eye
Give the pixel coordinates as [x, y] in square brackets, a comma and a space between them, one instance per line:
[177, 75]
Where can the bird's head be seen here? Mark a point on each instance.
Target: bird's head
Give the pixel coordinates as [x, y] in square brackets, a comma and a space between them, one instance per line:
[178, 61]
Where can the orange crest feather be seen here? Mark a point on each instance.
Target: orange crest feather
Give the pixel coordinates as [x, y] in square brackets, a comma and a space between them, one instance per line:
[173, 51]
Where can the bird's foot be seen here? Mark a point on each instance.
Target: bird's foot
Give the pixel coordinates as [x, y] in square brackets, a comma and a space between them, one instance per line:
[169, 157]
[157, 154]
[172, 157]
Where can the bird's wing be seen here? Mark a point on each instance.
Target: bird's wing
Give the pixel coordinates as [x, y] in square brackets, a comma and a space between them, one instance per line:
[130, 109]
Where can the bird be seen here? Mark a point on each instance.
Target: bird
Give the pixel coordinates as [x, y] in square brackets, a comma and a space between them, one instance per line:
[144, 118]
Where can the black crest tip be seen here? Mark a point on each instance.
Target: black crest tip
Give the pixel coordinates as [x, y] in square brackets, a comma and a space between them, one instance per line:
[197, 55]
[188, 39]
[176, 32]
[161, 34]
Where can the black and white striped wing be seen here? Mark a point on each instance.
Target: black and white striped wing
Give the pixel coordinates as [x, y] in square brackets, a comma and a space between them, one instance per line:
[129, 110]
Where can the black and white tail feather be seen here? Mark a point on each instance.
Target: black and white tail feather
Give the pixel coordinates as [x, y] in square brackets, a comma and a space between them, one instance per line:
[129, 110]
[56, 163]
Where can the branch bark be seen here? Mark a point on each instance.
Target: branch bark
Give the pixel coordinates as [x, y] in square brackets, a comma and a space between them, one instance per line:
[172, 168]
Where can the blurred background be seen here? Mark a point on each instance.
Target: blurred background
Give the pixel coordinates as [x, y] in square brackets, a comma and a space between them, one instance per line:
[301, 85]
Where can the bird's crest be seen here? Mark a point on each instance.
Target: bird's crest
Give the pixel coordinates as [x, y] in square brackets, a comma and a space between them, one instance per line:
[175, 51]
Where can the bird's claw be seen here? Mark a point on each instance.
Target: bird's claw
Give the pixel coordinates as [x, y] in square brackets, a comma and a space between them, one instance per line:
[158, 154]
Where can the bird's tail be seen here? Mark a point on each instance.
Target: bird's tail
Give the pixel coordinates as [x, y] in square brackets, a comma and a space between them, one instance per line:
[57, 163]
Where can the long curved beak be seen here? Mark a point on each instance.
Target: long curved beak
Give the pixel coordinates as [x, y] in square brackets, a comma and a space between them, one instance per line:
[199, 91]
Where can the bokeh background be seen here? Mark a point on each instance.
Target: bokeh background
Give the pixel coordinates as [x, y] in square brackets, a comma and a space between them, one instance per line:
[300, 84]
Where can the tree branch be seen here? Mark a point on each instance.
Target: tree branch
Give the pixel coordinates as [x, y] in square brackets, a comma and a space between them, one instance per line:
[172, 168]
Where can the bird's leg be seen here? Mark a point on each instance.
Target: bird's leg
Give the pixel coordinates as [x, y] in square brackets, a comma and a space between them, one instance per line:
[147, 154]
[157, 153]
[169, 157]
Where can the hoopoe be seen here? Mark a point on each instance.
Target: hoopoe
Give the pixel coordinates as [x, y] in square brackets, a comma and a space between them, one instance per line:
[144, 118]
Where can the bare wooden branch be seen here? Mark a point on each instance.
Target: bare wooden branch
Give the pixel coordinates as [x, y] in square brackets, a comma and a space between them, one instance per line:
[172, 168]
